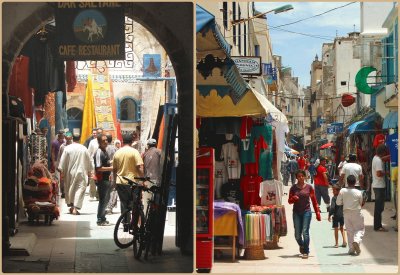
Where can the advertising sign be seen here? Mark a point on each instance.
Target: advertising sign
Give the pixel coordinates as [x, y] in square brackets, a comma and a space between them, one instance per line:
[334, 128]
[90, 31]
[151, 65]
[248, 65]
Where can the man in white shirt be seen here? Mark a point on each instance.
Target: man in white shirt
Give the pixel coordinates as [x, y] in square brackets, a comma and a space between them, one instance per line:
[352, 201]
[352, 168]
[379, 185]
[341, 163]
[93, 146]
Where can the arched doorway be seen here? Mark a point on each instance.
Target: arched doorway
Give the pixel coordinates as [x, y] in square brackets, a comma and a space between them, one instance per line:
[172, 26]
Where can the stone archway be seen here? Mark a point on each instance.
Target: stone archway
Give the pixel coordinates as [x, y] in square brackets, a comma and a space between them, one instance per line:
[172, 25]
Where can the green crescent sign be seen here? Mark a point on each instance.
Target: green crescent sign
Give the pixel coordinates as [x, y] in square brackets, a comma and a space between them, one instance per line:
[361, 81]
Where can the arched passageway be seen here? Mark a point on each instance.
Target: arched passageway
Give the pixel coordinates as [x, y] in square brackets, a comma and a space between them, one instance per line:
[172, 25]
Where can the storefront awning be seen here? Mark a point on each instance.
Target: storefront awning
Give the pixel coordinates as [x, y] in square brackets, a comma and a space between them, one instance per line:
[208, 36]
[220, 89]
[390, 121]
[252, 104]
[365, 125]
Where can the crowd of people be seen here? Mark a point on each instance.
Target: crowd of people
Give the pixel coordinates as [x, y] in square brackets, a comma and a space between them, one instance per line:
[344, 207]
[101, 164]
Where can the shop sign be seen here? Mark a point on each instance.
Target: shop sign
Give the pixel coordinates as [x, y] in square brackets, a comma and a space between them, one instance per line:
[151, 65]
[248, 65]
[334, 128]
[90, 31]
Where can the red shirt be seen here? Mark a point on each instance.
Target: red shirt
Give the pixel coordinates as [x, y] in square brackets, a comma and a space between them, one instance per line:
[319, 177]
[302, 163]
[250, 187]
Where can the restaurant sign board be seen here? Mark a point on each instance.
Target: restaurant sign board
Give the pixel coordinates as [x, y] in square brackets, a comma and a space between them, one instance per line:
[90, 31]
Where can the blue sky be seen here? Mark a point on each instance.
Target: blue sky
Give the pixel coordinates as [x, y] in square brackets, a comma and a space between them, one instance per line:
[298, 51]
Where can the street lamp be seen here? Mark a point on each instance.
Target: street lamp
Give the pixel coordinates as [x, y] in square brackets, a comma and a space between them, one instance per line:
[276, 10]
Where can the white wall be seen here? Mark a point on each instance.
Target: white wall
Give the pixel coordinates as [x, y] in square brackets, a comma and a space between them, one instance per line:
[373, 14]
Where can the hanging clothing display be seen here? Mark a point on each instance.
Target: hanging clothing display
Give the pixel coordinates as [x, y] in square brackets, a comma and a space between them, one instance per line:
[19, 83]
[265, 226]
[220, 178]
[46, 69]
[230, 156]
[250, 187]
[37, 145]
[271, 192]
[231, 192]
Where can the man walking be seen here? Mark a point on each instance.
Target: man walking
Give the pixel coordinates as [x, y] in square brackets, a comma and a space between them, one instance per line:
[55, 148]
[93, 146]
[352, 201]
[379, 185]
[68, 141]
[152, 167]
[103, 172]
[127, 162]
[352, 168]
[321, 183]
[75, 166]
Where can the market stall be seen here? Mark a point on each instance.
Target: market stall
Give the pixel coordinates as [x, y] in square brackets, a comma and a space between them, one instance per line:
[244, 130]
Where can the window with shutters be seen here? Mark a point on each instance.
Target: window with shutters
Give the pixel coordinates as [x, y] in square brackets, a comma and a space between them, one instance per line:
[128, 110]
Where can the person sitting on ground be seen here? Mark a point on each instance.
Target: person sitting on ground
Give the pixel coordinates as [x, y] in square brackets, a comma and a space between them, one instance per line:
[336, 211]
[352, 201]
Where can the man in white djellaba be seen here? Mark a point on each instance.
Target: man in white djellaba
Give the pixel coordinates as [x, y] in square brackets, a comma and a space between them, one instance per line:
[76, 167]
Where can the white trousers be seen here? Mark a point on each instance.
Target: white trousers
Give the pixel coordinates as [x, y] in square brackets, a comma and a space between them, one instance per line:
[354, 222]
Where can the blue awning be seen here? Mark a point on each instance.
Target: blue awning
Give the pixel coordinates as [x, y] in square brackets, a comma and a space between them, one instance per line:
[205, 22]
[365, 125]
[203, 18]
[391, 120]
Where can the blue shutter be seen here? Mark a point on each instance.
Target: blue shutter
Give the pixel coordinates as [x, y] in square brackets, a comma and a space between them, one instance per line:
[139, 110]
[384, 55]
[118, 110]
[390, 60]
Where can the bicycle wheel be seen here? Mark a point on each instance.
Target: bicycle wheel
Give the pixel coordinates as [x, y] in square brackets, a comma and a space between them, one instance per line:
[138, 222]
[123, 238]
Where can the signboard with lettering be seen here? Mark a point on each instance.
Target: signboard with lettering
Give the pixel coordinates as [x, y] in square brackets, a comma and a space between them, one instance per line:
[90, 31]
[248, 65]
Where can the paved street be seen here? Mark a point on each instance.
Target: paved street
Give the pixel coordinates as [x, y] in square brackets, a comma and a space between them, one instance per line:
[77, 244]
[379, 250]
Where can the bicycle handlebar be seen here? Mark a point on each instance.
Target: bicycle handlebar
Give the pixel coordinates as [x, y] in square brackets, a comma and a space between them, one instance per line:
[152, 189]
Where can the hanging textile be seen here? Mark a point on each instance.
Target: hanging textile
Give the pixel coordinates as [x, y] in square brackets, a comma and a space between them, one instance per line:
[88, 117]
[19, 83]
[265, 225]
[70, 75]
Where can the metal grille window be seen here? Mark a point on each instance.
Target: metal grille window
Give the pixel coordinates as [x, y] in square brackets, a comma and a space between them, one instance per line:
[74, 114]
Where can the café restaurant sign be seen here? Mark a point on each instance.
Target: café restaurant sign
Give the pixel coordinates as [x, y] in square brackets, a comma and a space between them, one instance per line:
[248, 65]
[90, 30]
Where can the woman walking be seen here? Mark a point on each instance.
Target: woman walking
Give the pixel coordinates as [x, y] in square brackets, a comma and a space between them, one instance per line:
[300, 195]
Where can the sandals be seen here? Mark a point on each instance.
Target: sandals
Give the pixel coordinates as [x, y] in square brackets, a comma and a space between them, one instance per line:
[381, 229]
[336, 246]
[344, 244]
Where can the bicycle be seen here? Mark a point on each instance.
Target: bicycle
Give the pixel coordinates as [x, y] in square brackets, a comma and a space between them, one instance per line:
[135, 228]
